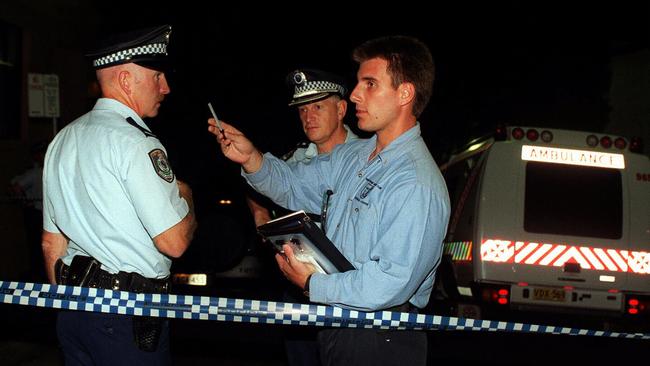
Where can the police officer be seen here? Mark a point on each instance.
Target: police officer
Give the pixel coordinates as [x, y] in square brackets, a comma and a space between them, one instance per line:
[319, 97]
[114, 212]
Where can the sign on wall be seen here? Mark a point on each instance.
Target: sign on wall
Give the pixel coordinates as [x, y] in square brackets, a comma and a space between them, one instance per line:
[43, 95]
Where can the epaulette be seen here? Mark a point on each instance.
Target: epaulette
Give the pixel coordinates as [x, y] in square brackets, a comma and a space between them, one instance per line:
[146, 132]
[300, 145]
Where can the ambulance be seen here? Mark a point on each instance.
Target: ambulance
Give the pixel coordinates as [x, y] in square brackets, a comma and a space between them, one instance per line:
[548, 220]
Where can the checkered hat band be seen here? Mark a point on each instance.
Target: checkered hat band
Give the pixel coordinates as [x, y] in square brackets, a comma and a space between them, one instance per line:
[150, 49]
[314, 87]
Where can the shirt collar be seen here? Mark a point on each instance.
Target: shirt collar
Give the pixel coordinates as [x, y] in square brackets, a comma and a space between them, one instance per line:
[394, 148]
[312, 150]
[350, 135]
[117, 107]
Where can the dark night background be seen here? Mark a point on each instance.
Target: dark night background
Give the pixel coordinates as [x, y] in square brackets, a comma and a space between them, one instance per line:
[578, 65]
[532, 63]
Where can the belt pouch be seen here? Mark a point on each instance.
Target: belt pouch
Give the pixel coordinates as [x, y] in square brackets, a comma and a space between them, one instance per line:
[146, 332]
[82, 270]
[60, 273]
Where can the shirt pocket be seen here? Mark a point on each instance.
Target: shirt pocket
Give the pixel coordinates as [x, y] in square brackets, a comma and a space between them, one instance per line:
[364, 220]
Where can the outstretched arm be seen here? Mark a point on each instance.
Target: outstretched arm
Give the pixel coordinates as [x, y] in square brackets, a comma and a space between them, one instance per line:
[236, 147]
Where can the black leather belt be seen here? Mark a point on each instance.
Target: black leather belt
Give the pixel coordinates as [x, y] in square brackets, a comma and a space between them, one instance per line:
[405, 308]
[87, 272]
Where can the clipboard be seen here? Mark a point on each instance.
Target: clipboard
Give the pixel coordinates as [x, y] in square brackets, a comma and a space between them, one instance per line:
[308, 241]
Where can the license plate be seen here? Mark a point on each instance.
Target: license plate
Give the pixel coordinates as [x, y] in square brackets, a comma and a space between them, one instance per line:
[194, 279]
[549, 294]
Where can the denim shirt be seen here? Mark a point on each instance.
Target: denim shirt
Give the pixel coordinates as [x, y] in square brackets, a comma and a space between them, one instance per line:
[387, 216]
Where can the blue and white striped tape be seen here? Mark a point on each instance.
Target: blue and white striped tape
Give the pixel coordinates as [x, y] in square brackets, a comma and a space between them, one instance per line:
[258, 311]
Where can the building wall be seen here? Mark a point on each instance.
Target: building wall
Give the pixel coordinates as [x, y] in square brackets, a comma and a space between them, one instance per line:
[53, 39]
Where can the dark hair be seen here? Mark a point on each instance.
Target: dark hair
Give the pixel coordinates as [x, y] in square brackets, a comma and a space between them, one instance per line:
[409, 60]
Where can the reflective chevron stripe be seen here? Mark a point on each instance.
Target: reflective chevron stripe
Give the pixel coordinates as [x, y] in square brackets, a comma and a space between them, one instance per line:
[545, 254]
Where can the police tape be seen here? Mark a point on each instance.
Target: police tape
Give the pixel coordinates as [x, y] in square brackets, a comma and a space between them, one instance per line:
[258, 311]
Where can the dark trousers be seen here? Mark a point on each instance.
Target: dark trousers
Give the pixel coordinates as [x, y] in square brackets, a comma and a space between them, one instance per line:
[347, 346]
[300, 343]
[106, 339]
[301, 347]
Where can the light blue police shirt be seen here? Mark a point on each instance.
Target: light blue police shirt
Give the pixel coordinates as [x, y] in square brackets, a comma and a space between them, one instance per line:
[305, 154]
[109, 189]
[387, 216]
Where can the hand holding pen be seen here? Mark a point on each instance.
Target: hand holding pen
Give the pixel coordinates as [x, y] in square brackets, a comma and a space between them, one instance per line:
[214, 115]
[234, 145]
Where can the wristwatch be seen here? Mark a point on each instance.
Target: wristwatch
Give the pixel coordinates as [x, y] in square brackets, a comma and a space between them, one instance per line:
[305, 291]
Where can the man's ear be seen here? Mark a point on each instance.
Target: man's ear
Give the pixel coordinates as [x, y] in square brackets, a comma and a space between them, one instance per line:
[124, 81]
[341, 108]
[406, 93]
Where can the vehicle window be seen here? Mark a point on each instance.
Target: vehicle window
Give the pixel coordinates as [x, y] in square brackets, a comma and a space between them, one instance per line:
[573, 200]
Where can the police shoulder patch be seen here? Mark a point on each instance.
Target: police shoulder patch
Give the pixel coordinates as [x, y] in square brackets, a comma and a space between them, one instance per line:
[161, 165]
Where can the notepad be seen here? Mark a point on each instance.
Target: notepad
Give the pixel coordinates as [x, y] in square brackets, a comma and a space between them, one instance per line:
[308, 241]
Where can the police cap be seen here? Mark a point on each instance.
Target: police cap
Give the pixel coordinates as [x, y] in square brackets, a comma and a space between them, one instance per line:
[145, 47]
[310, 85]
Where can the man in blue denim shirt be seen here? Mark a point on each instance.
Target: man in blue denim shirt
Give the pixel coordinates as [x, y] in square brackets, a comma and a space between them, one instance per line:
[389, 211]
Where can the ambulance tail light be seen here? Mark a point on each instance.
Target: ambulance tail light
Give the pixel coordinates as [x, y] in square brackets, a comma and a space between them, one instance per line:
[632, 306]
[606, 142]
[518, 133]
[532, 135]
[637, 305]
[496, 295]
[620, 143]
[636, 145]
[503, 296]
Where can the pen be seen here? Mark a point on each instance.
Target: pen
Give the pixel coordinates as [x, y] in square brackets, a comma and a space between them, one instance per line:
[217, 119]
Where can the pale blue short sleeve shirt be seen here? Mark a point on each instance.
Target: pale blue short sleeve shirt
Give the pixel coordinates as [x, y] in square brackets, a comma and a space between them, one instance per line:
[109, 188]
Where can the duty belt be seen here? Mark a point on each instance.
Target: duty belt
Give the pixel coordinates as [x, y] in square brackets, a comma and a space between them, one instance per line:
[405, 308]
[87, 272]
